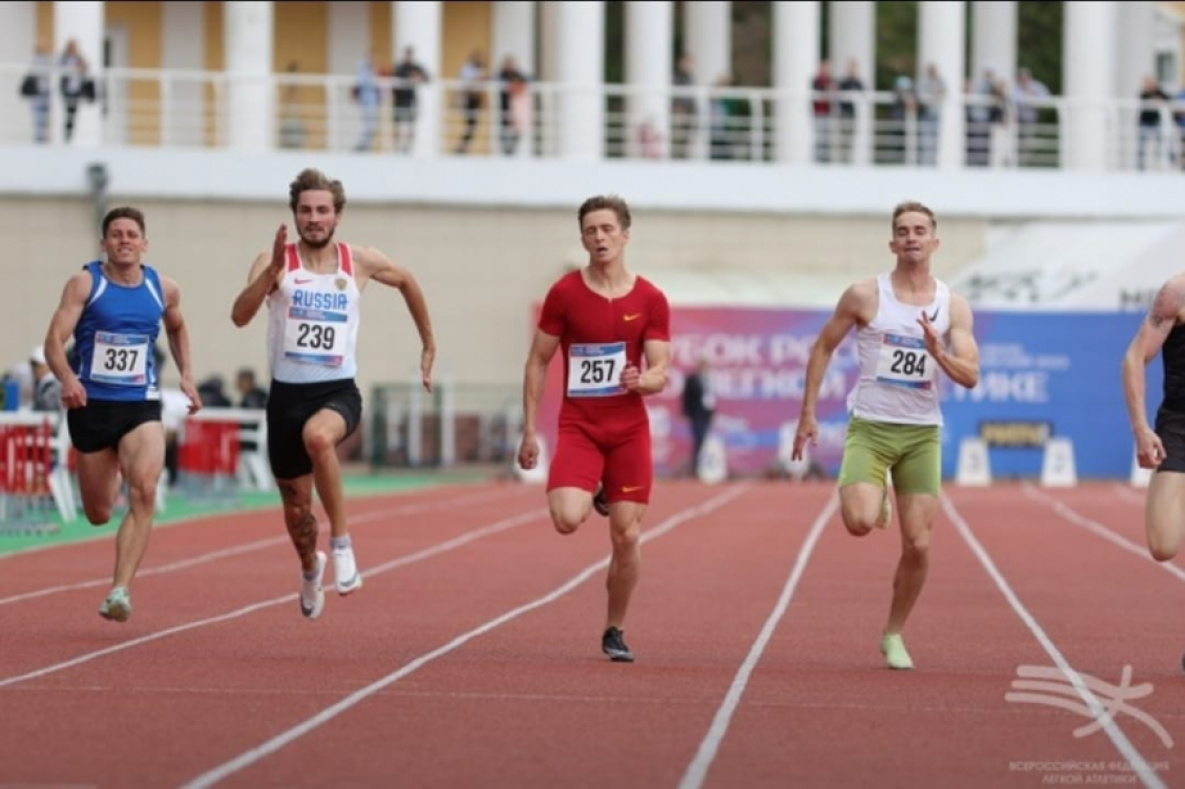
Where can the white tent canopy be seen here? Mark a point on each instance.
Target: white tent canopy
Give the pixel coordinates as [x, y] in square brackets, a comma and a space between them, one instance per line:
[1093, 265]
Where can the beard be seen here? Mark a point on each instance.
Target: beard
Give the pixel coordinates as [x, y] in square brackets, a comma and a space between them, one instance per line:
[317, 243]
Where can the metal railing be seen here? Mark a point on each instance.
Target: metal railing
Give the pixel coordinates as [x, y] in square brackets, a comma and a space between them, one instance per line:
[175, 108]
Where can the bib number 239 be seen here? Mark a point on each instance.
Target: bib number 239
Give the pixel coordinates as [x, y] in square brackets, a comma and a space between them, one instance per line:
[594, 369]
[904, 361]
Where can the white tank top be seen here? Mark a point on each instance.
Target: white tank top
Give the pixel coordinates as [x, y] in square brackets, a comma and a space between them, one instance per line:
[312, 330]
[898, 380]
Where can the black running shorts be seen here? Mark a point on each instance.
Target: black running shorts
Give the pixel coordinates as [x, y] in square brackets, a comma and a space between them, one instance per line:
[102, 424]
[290, 406]
[1170, 426]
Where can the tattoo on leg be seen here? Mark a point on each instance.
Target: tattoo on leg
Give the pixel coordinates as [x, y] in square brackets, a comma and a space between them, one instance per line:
[302, 528]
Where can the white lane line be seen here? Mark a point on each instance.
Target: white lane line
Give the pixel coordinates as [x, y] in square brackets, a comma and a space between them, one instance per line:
[448, 545]
[250, 757]
[1102, 715]
[697, 770]
[222, 553]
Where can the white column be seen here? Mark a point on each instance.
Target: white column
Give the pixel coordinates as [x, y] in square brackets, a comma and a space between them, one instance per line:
[549, 59]
[183, 47]
[419, 24]
[514, 35]
[349, 43]
[1087, 74]
[18, 38]
[941, 30]
[1135, 56]
[247, 57]
[796, 60]
[993, 42]
[708, 39]
[83, 22]
[649, 40]
[580, 36]
[853, 40]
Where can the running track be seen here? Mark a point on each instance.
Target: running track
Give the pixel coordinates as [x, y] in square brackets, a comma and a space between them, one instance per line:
[471, 657]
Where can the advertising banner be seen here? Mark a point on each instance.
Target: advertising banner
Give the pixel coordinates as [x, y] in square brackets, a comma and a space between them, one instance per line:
[1042, 375]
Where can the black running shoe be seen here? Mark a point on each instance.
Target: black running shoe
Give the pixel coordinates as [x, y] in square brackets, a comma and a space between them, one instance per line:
[599, 503]
[614, 646]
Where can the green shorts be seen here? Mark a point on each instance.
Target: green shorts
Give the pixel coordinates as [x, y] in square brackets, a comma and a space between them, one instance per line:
[912, 452]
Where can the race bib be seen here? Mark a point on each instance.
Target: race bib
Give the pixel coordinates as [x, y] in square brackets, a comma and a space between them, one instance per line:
[594, 369]
[904, 361]
[314, 336]
[120, 359]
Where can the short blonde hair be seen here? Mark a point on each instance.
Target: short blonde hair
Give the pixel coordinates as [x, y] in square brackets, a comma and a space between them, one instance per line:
[914, 207]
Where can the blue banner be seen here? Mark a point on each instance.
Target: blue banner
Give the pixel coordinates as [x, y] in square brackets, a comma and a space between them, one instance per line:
[1048, 374]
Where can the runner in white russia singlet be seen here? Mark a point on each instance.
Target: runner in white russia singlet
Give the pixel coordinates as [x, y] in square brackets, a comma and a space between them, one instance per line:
[898, 380]
[312, 330]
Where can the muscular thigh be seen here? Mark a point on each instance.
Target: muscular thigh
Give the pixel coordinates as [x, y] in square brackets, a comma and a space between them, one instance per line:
[578, 461]
[867, 454]
[919, 468]
[629, 469]
[290, 407]
[142, 453]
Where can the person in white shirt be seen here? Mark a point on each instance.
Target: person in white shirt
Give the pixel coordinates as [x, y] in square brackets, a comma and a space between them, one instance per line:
[909, 328]
[312, 289]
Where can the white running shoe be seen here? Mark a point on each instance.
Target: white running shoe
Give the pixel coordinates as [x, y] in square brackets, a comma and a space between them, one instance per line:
[345, 571]
[312, 596]
[118, 605]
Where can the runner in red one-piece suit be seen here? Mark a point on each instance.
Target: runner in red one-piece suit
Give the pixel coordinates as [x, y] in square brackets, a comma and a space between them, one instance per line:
[605, 319]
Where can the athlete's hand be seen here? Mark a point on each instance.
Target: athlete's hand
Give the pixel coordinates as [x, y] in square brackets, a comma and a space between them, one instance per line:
[1149, 449]
[279, 248]
[195, 400]
[631, 378]
[528, 452]
[808, 430]
[73, 393]
[933, 341]
[426, 358]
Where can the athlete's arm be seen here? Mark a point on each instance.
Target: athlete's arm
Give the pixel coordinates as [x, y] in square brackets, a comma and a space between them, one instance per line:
[854, 307]
[266, 271]
[1145, 345]
[658, 368]
[373, 264]
[543, 347]
[961, 362]
[61, 327]
[178, 336]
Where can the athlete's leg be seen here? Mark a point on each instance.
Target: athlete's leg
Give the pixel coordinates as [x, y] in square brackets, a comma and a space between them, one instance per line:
[98, 484]
[296, 494]
[141, 460]
[917, 512]
[917, 479]
[1164, 514]
[572, 479]
[321, 435]
[629, 478]
[868, 454]
[625, 531]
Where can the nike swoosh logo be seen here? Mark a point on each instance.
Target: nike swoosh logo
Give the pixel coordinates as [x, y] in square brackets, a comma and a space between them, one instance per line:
[630, 489]
[633, 317]
[933, 317]
[302, 281]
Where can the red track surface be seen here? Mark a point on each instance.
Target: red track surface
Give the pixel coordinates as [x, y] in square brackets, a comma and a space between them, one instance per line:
[471, 657]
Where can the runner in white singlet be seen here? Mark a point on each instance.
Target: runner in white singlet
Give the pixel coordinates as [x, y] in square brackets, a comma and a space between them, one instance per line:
[312, 289]
[909, 328]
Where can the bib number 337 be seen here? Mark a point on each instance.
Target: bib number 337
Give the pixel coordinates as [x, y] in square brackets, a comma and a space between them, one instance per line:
[594, 369]
[904, 361]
